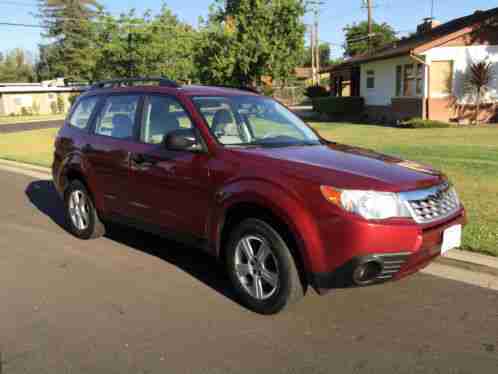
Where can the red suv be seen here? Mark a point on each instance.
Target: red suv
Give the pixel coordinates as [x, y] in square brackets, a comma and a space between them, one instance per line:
[240, 176]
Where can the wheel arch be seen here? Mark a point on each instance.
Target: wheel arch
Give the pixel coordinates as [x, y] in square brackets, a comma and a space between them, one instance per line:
[275, 203]
[73, 169]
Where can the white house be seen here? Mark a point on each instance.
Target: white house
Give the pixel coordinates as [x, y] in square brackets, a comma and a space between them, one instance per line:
[425, 75]
[36, 98]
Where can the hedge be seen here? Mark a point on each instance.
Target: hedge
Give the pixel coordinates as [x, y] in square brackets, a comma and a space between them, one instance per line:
[338, 105]
[419, 123]
[316, 91]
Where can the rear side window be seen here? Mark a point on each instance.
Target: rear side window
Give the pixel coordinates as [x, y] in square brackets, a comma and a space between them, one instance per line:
[117, 118]
[82, 113]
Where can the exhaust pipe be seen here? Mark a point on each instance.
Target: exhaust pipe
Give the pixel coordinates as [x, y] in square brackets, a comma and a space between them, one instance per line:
[366, 272]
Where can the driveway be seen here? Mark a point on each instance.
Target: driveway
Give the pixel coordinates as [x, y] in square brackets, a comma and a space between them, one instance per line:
[133, 303]
[39, 125]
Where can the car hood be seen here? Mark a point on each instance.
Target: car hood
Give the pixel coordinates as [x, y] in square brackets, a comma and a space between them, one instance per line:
[349, 167]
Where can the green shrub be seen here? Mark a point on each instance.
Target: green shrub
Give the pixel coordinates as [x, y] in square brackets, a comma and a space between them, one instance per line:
[53, 107]
[338, 105]
[26, 111]
[36, 107]
[419, 123]
[72, 98]
[267, 90]
[61, 105]
[316, 91]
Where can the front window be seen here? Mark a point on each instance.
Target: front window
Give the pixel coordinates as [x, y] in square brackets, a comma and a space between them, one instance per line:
[162, 115]
[117, 118]
[253, 121]
[370, 79]
[412, 79]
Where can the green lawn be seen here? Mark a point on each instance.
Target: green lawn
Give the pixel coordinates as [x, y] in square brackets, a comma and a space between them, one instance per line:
[6, 120]
[469, 156]
[34, 147]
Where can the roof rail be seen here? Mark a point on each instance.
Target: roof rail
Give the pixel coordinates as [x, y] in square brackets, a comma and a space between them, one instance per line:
[242, 88]
[164, 82]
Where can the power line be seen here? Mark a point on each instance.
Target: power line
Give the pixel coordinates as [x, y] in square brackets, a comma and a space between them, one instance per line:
[22, 25]
[19, 3]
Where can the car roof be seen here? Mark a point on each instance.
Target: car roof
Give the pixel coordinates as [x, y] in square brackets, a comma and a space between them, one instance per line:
[188, 90]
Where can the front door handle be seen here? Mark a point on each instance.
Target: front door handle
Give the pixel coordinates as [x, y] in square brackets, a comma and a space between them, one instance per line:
[143, 159]
[87, 148]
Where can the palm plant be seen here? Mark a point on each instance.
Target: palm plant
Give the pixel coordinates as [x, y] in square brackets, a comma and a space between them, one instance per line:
[479, 79]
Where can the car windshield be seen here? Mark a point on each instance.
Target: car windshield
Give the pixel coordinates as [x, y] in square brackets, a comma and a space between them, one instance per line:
[253, 121]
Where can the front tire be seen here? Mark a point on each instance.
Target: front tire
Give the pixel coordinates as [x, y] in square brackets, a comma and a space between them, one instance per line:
[261, 268]
[81, 216]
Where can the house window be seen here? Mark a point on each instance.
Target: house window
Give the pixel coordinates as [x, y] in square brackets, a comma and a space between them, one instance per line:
[399, 74]
[370, 79]
[412, 80]
[419, 84]
[441, 77]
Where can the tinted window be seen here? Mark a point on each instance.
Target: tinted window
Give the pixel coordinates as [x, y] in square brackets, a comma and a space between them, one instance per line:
[81, 115]
[163, 114]
[117, 118]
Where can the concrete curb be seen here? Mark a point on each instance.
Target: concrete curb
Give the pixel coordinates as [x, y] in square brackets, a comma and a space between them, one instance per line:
[24, 166]
[30, 126]
[467, 261]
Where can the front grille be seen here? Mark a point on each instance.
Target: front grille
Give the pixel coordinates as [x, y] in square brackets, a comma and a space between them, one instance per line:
[431, 204]
[391, 264]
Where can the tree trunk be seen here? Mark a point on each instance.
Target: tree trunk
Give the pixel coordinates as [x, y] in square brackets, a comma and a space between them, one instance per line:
[478, 105]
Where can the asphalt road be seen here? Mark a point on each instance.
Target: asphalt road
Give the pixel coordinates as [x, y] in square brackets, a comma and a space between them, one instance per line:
[132, 303]
[39, 125]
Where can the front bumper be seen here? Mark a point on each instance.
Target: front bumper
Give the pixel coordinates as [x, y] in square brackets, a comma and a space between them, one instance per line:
[393, 264]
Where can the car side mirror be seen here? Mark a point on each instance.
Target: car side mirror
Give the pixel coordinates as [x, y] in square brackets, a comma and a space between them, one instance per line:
[180, 140]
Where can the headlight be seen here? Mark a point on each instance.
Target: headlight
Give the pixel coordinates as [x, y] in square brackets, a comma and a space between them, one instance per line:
[368, 204]
[454, 195]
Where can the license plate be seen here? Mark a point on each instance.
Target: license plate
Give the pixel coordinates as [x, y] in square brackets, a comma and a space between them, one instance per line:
[452, 238]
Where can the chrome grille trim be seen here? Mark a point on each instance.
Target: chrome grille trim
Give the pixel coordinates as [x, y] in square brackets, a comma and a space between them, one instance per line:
[431, 204]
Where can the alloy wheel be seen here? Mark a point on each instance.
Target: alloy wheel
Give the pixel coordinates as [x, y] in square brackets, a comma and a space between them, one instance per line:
[79, 210]
[256, 267]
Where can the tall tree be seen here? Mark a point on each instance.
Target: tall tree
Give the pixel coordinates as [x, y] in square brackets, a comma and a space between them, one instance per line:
[255, 38]
[147, 45]
[356, 36]
[68, 24]
[16, 66]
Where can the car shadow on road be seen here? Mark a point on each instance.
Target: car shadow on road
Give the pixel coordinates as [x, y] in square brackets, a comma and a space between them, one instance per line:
[203, 267]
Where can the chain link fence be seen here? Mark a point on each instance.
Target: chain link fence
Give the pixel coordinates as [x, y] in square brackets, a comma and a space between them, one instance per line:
[292, 95]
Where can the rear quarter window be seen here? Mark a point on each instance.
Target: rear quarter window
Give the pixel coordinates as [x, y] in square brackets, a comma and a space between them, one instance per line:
[80, 118]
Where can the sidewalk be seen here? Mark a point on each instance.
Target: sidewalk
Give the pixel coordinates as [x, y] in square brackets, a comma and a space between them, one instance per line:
[468, 267]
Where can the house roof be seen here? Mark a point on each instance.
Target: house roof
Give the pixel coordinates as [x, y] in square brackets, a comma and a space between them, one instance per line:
[423, 41]
[4, 89]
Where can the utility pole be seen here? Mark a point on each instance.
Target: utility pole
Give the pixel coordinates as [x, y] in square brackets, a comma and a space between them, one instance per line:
[315, 41]
[370, 26]
[317, 45]
[313, 54]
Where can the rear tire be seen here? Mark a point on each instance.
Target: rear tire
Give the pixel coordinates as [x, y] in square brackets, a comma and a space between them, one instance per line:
[261, 268]
[81, 216]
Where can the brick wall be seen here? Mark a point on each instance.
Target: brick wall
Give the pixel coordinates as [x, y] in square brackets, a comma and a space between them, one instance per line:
[446, 109]
[407, 107]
